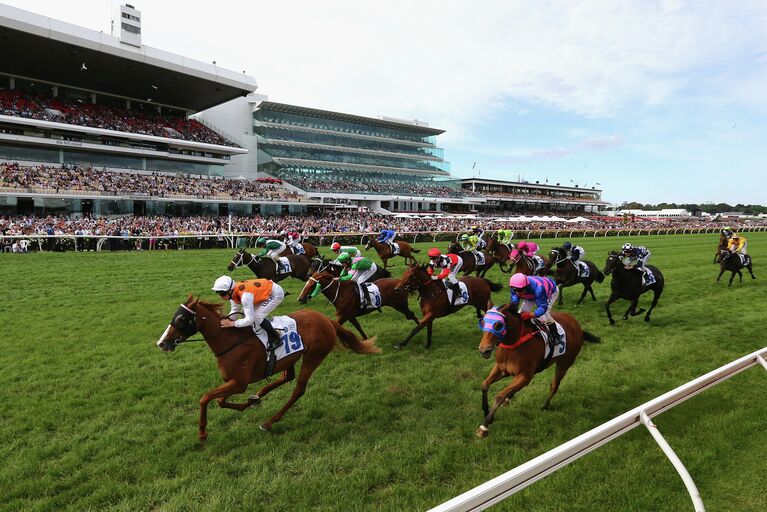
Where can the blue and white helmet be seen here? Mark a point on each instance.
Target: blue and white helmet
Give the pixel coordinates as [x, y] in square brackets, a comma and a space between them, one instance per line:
[627, 247]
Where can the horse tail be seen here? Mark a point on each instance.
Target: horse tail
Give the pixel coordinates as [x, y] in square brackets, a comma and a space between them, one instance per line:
[351, 341]
[600, 276]
[494, 287]
[591, 337]
[413, 249]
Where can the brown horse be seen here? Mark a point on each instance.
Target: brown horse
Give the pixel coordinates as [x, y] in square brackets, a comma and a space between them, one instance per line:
[434, 303]
[310, 251]
[723, 243]
[732, 262]
[241, 357]
[500, 252]
[344, 295]
[384, 251]
[568, 274]
[520, 354]
[267, 269]
[470, 261]
[324, 265]
[524, 264]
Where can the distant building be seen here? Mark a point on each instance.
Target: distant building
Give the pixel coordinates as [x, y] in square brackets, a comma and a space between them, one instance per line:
[666, 213]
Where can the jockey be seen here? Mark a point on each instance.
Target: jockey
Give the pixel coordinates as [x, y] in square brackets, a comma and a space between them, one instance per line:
[527, 248]
[636, 257]
[469, 243]
[340, 249]
[738, 244]
[450, 265]
[272, 249]
[574, 252]
[292, 238]
[358, 270]
[387, 236]
[254, 298]
[504, 236]
[538, 295]
[479, 233]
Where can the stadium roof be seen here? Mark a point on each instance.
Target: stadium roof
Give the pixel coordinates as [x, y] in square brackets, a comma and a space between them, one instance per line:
[41, 48]
[547, 186]
[327, 114]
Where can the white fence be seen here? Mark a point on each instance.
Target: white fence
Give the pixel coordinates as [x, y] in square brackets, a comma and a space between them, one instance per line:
[503, 486]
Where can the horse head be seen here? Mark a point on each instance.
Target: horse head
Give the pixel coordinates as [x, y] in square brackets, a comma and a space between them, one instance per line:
[188, 319]
[369, 244]
[723, 255]
[495, 327]
[238, 260]
[413, 277]
[612, 262]
[323, 279]
[454, 248]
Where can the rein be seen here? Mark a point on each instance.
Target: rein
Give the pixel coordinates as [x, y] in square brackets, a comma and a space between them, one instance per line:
[522, 339]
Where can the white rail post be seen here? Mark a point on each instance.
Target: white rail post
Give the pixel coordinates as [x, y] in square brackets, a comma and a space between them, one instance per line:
[675, 460]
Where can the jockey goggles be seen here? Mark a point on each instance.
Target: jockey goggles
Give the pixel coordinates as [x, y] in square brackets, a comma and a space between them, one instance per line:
[494, 323]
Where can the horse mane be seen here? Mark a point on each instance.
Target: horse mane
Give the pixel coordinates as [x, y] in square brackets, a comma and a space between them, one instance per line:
[216, 307]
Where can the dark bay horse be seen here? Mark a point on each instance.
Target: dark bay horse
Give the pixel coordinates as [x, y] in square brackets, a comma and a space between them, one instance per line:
[730, 261]
[241, 357]
[520, 354]
[567, 274]
[470, 261]
[384, 251]
[627, 284]
[524, 264]
[433, 298]
[266, 268]
[500, 252]
[324, 265]
[344, 295]
[310, 251]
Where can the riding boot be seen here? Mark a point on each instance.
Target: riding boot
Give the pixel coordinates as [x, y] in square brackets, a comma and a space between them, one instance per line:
[272, 344]
[365, 294]
[456, 291]
[554, 338]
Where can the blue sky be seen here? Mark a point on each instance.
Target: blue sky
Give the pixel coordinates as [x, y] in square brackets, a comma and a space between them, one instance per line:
[656, 100]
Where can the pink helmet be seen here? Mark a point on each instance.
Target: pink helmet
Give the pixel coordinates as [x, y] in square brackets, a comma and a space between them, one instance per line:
[336, 246]
[522, 245]
[518, 280]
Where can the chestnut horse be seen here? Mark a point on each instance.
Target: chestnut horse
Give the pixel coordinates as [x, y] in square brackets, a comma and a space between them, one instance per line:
[730, 261]
[500, 252]
[568, 274]
[520, 354]
[384, 251]
[434, 303]
[266, 268]
[627, 284]
[524, 264]
[470, 261]
[241, 357]
[345, 296]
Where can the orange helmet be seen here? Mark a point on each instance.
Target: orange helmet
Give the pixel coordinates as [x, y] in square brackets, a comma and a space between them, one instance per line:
[434, 252]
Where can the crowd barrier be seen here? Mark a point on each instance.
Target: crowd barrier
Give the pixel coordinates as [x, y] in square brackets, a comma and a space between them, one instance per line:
[245, 240]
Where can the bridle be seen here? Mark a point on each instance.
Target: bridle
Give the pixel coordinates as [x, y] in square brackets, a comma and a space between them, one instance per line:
[334, 280]
[185, 310]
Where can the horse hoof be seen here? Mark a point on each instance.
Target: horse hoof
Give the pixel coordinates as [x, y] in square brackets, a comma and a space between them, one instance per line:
[482, 432]
[612, 322]
[397, 346]
[647, 319]
[202, 437]
[254, 400]
[266, 427]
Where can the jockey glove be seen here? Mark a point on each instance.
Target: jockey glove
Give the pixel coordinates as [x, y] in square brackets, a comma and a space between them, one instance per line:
[527, 315]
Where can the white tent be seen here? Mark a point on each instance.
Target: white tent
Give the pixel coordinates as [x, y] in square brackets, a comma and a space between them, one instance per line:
[579, 219]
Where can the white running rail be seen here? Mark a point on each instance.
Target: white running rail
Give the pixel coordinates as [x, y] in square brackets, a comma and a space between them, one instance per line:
[499, 488]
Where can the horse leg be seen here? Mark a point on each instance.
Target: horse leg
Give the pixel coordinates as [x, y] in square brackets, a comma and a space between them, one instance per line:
[632, 308]
[518, 382]
[732, 277]
[655, 296]
[287, 376]
[720, 274]
[561, 295]
[740, 276]
[307, 368]
[591, 291]
[427, 318]
[613, 298]
[252, 400]
[230, 387]
[586, 288]
[357, 326]
[494, 376]
[751, 271]
[559, 374]
[429, 327]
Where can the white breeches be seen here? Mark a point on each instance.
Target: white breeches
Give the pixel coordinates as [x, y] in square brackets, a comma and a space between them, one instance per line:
[362, 276]
[531, 305]
[262, 309]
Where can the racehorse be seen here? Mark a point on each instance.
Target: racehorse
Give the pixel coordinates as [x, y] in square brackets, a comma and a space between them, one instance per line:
[723, 243]
[524, 264]
[729, 261]
[433, 298]
[521, 353]
[241, 357]
[266, 268]
[627, 284]
[568, 274]
[310, 251]
[324, 265]
[470, 261]
[344, 295]
[384, 251]
[500, 252]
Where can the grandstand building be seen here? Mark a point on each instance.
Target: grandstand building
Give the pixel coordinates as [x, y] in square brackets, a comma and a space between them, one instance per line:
[513, 195]
[82, 99]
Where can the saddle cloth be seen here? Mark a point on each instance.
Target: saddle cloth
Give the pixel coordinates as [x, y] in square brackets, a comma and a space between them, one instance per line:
[560, 348]
[464, 297]
[583, 269]
[374, 293]
[394, 248]
[648, 278]
[744, 259]
[538, 261]
[298, 249]
[480, 257]
[284, 266]
[286, 328]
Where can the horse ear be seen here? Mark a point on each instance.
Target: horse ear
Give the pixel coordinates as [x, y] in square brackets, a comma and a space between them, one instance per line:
[241, 251]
